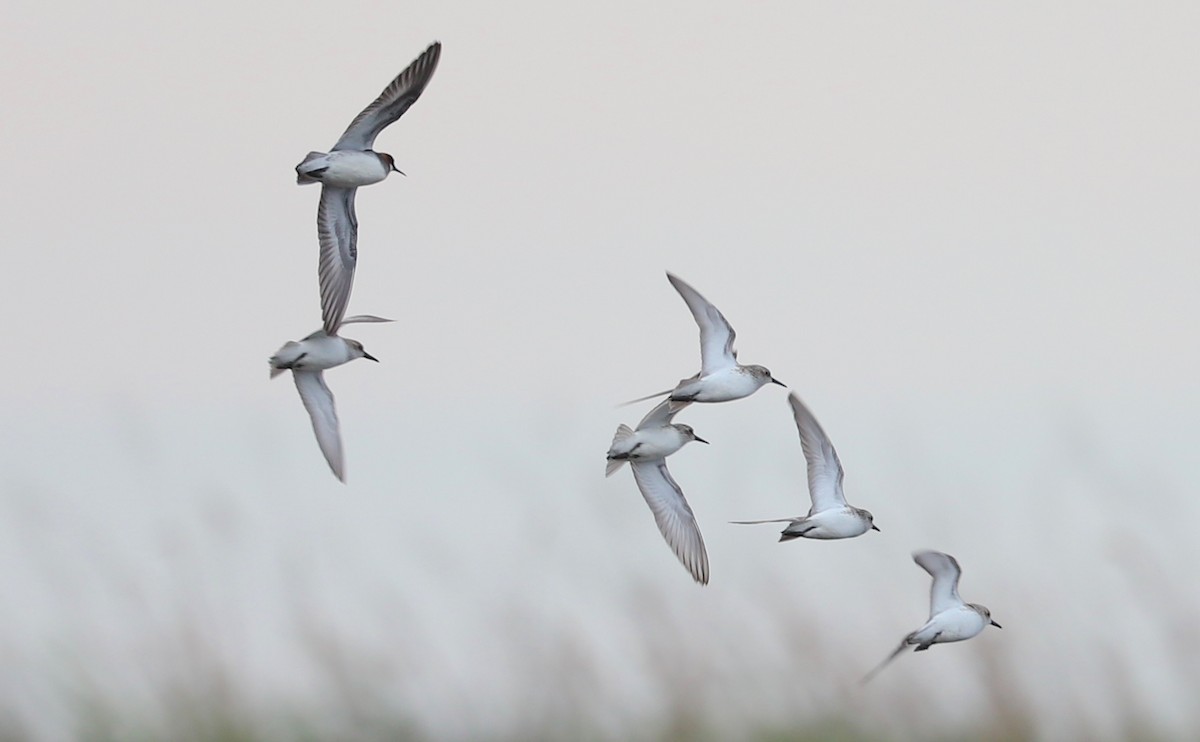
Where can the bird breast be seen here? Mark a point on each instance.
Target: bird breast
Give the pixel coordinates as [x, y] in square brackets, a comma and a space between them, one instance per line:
[837, 523]
[352, 168]
[658, 442]
[725, 385]
[320, 352]
[957, 624]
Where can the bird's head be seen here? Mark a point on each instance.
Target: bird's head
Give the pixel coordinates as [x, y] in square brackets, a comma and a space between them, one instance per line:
[389, 162]
[357, 351]
[688, 433]
[764, 375]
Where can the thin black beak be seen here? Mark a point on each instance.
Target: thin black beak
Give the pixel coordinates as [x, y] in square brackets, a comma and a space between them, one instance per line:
[777, 381]
[698, 439]
[875, 528]
[398, 170]
[370, 357]
[996, 625]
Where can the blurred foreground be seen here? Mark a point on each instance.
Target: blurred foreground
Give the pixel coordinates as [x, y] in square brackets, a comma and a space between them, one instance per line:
[190, 577]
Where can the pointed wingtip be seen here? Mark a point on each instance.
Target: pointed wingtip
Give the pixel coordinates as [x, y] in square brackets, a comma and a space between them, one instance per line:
[643, 399]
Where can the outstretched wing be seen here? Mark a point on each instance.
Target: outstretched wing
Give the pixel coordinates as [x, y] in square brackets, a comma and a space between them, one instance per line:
[348, 321]
[318, 400]
[673, 515]
[662, 414]
[391, 104]
[945, 572]
[716, 336]
[825, 471]
[887, 660]
[337, 233]
[365, 318]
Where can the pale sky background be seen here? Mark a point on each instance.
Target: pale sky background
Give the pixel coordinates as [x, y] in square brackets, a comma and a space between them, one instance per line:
[965, 235]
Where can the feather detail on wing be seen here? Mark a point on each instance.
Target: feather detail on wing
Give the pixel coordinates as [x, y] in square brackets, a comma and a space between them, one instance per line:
[944, 569]
[365, 318]
[825, 472]
[318, 400]
[337, 232]
[716, 334]
[391, 104]
[673, 515]
[662, 414]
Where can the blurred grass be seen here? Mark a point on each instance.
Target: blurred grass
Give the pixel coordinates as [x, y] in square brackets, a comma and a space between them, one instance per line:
[212, 614]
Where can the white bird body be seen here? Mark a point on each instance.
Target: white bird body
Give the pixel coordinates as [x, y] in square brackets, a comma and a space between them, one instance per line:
[843, 522]
[348, 168]
[951, 625]
[646, 449]
[721, 377]
[647, 443]
[307, 359]
[349, 164]
[950, 618]
[830, 516]
[316, 352]
[722, 385]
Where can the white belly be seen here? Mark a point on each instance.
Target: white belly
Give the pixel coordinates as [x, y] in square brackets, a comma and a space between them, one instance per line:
[653, 443]
[952, 625]
[313, 354]
[349, 169]
[723, 386]
[839, 523]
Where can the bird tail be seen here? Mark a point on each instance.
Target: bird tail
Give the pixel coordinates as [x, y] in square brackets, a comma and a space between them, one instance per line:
[623, 432]
[302, 176]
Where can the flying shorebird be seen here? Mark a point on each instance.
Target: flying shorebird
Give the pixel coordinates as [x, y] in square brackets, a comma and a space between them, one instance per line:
[721, 377]
[950, 619]
[306, 360]
[830, 516]
[350, 164]
[646, 449]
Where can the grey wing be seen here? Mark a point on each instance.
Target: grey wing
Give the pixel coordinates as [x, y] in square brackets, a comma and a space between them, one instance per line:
[318, 400]
[662, 414]
[825, 471]
[716, 335]
[348, 321]
[337, 232]
[391, 104]
[895, 653]
[673, 515]
[945, 572]
[365, 318]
